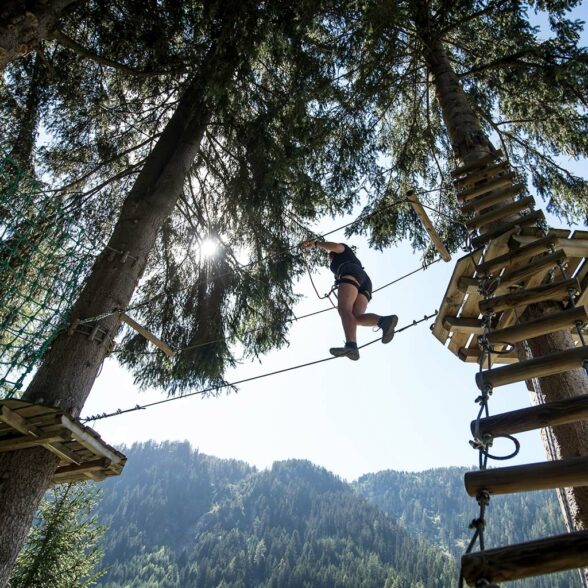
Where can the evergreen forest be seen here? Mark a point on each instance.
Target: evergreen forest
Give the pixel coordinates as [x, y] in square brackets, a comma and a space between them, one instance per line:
[180, 519]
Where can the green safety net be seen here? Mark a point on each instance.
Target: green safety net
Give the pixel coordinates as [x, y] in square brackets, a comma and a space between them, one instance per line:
[44, 255]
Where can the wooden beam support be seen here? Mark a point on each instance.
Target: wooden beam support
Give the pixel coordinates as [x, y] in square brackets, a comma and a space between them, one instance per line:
[83, 437]
[500, 213]
[147, 334]
[522, 221]
[540, 266]
[474, 165]
[468, 285]
[543, 326]
[550, 414]
[463, 325]
[483, 202]
[562, 473]
[14, 420]
[556, 291]
[535, 558]
[539, 367]
[424, 217]
[27, 441]
[522, 253]
[89, 466]
[469, 197]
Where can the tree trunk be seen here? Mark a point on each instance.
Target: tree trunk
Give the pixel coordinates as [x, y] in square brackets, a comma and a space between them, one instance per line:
[22, 149]
[71, 365]
[470, 143]
[22, 29]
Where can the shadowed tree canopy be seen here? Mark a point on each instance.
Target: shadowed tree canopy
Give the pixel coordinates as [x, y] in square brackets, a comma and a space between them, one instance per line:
[527, 85]
[282, 143]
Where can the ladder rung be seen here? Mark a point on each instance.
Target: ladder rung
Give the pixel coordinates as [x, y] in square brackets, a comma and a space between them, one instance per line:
[522, 221]
[485, 173]
[520, 254]
[543, 326]
[543, 264]
[562, 473]
[479, 204]
[502, 212]
[472, 165]
[554, 291]
[538, 367]
[549, 414]
[463, 325]
[470, 197]
[535, 558]
[472, 355]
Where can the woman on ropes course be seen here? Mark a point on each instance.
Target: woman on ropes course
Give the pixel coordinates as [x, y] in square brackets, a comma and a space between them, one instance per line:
[355, 291]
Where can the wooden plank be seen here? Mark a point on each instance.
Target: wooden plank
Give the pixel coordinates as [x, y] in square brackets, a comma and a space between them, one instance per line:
[557, 291]
[562, 473]
[147, 334]
[522, 221]
[550, 414]
[26, 441]
[14, 420]
[453, 298]
[547, 324]
[539, 367]
[91, 466]
[463, 325]
[473, 165]
[468, 198]
[523, 253]
[484, 174]
[540, 267]
[470, 308]
[424, 217]
[63, 452]
[93, 444]
[496, 197]
[468, 285]
[500, 213]
[535, 558]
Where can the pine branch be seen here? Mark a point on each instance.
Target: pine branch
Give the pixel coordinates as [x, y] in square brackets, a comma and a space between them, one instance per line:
[72, 44]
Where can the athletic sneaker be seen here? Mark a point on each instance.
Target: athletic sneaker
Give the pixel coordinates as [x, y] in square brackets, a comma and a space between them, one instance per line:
[388, 324]
[347, 351]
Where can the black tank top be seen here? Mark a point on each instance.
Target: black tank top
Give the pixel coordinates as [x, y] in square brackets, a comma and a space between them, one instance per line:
[341, 259]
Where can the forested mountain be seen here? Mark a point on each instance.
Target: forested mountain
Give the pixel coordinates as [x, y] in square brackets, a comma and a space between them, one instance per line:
[179, 518]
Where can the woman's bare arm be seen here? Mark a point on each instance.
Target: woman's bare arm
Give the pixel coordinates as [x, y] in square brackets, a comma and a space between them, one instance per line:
[326, 245]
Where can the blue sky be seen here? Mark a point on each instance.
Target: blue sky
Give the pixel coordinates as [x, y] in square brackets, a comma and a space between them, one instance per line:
[403, 406]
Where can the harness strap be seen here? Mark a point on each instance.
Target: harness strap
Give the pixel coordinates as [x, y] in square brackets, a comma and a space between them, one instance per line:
[360, 289]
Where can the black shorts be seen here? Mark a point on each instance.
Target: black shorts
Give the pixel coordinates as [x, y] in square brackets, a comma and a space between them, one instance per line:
[365, 284]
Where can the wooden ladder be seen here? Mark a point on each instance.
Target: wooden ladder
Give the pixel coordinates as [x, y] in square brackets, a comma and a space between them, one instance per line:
[515, 265]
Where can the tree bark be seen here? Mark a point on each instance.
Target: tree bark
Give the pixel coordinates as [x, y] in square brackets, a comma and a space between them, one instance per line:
[71, 365]
[470, 143]
[23, 25]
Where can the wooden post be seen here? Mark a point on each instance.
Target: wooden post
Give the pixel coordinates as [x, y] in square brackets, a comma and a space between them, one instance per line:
[542, 326]
[422, 214]
[497, 214]
[563, 473]
[547, 365]
[535, 417]
[556, 291]
[535, 558]
[523, 221]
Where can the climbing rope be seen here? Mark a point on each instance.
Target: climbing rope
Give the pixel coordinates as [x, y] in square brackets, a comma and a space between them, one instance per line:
[294, 319]
[244, 380]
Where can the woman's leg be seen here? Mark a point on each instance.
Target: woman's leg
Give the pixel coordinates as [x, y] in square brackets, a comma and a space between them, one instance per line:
[365, 319]
[347, 295]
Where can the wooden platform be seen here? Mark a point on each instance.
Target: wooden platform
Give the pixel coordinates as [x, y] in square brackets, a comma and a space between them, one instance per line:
[83, 454]
[458, 323]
